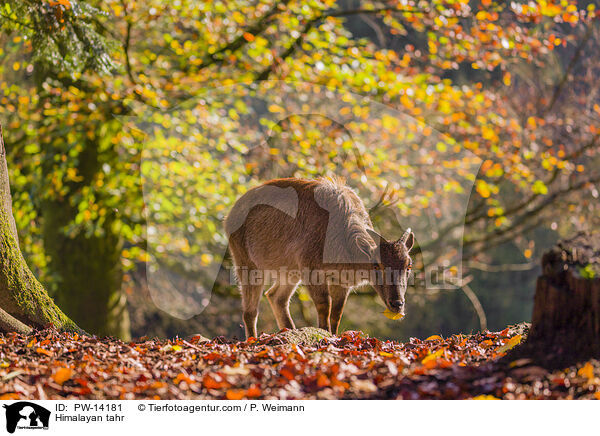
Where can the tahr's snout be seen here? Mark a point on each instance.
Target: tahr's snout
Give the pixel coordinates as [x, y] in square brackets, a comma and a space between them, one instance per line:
[397, 306]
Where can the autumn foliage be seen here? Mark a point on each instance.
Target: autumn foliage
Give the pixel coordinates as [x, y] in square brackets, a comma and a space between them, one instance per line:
[352, 365]
[513, 84]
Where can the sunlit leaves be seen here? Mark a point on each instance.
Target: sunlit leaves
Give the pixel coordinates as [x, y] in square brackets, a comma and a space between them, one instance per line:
[59, 35]
[180, 50]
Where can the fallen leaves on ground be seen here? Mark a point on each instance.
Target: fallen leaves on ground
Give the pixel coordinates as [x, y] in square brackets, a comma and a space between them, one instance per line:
[51, 365]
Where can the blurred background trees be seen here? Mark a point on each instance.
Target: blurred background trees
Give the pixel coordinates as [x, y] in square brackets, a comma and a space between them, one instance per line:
[515, 84]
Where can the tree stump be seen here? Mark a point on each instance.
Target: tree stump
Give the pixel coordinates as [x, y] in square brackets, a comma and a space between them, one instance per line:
[566, 315]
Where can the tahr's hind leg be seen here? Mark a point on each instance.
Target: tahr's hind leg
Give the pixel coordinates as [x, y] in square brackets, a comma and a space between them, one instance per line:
[339, 295]
[251, 292]
[250, 298]
[320, 296]
[279, 298]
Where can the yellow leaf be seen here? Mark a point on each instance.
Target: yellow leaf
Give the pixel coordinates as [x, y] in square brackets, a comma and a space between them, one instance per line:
[434, 337]
[177, 348]
[275, 108]
[433, 356]
[392, 315]
[62, 375]
[389, 122]
[481, 15]
[515, 340]
[385, 354]
[586, 371]
[485, 397]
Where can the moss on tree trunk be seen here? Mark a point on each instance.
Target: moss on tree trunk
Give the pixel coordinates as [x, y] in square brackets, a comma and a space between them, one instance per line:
[24, 302]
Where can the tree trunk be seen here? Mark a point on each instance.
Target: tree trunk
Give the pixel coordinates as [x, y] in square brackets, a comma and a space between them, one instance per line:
[24, 302]
[88, 274]
[87, 267]
[566, 315]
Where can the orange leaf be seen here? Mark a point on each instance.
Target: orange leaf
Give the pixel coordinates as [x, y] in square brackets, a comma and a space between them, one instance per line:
[434, 338]
[248, 37]
[211, 383]
[287, 374]
[430, 359]
[253, 392]
[322, 381]
[43, 351]
[9, 396]
[62, 375]
[586, 371]
[485, 397]
[235, 394]
[65, 3]
[182, 377]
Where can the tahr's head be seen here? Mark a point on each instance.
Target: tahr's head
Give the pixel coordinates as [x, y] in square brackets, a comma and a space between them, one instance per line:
[393, 265]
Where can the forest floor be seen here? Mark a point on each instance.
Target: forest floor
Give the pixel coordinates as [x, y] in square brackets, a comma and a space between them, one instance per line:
[51, 365]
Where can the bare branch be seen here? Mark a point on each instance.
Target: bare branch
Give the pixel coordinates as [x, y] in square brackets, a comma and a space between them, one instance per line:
[476, 305]
[481, 266]
[127, 42]
[297, 42]
[238, 42]
[527, 215]
[560, 86]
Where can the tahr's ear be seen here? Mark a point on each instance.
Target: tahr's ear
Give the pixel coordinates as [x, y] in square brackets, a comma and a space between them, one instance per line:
[410, 241]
